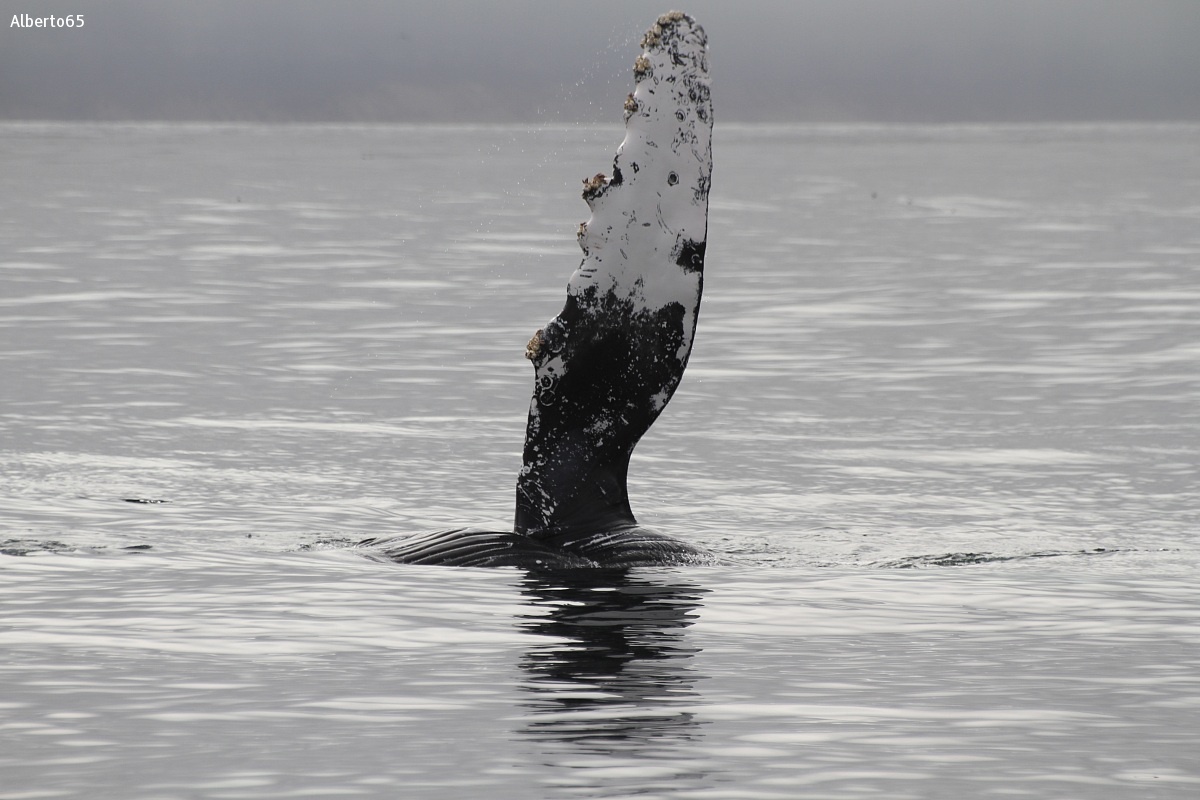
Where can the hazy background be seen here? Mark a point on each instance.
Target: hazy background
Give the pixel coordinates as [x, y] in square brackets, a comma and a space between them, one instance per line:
[470, 60]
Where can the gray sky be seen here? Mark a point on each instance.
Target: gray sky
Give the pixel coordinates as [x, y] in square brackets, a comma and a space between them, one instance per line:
[563, 60]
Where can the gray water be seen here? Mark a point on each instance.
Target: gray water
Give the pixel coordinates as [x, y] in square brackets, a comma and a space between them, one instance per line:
[942, 418]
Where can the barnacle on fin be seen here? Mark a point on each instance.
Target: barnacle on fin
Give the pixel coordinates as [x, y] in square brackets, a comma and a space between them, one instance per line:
[631, 106]
[594, 186]
[653, 36]
[534, 346]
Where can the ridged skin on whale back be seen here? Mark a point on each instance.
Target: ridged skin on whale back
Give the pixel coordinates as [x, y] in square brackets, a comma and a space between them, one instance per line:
[474, 547]
[608, 363]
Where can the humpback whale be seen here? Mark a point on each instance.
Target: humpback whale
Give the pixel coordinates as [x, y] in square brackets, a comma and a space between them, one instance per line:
[608, 363]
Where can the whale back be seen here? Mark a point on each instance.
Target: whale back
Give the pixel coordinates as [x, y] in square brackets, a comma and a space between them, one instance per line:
[608, 363]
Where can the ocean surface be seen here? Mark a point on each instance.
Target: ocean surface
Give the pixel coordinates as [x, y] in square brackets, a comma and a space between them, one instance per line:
[942, 419]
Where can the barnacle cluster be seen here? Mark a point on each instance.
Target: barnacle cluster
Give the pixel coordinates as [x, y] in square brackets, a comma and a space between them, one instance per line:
[594, 185]
[654, 35]
[631, 106]
[534, 346]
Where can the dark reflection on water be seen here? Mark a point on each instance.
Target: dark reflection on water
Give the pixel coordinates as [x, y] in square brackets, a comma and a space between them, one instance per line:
[618, 674]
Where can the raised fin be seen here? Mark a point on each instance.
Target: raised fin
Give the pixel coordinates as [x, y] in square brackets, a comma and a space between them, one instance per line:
[608, 363]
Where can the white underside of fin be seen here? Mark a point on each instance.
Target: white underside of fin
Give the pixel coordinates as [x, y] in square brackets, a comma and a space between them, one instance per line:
[655, 205]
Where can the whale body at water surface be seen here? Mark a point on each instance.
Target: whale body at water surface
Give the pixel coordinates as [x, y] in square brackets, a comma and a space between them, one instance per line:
[605, 367]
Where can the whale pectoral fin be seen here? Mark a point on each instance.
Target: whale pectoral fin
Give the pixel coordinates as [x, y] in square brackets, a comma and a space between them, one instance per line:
[607, 365]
